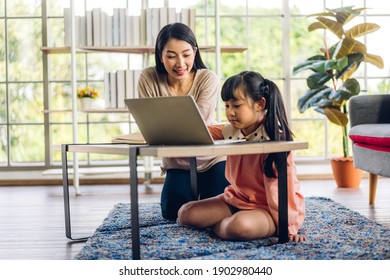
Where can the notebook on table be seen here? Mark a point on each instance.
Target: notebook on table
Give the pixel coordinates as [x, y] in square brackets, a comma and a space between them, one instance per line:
[172, 120]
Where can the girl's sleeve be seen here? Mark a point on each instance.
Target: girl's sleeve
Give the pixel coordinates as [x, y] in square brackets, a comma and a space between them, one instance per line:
[216, 131]
[296, 201]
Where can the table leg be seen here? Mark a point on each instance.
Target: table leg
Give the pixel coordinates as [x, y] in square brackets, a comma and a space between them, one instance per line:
[133, 155]
[282, 196]
[65, 180]
[194, 179]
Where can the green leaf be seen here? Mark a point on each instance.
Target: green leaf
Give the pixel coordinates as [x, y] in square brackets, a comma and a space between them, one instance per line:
[317, 80]
[327, 103]
[312, 97]
[349, 46]
[353, 61]
[345, 14]
[341, 63]
[312, 63]
[350, 88]
[325, 23]
[375, 60]
[336, 116]
[361, 29]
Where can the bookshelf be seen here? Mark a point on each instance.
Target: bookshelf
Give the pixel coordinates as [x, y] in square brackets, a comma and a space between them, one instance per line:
[74, 48]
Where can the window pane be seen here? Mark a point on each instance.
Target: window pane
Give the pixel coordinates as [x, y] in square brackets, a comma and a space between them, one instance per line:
[61, 134]
[27, 143]
[1, 8]
[375, 46]
[305, 131]
[303, 43]
[3, 74]
[232, 63]
[265, 7]
[265, 46]
[26, 103]
[56, 7]
[203, 7]
[23, 8]
[205, 33]
[378, 86]
[99, 63]
[60, 97]
[229, 7]
[335, 140]
[109, 5]
[377, 7]
[3, 117]
[233, 31]
[55, 30]
[59, 67]
[3, 145]
[24, 49]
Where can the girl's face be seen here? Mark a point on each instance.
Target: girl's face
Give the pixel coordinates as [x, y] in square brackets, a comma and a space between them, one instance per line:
[178, 59]
[244, 113]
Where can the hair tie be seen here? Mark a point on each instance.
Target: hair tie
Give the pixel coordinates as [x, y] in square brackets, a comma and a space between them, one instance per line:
[264, 87]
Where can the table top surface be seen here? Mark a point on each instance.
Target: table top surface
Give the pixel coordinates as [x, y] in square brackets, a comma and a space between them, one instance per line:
[240, 148]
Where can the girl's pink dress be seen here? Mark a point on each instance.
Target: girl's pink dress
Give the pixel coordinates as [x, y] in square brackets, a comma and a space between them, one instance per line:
[249, 187]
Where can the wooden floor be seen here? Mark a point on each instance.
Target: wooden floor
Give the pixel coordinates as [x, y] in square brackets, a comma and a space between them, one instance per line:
[32, 219]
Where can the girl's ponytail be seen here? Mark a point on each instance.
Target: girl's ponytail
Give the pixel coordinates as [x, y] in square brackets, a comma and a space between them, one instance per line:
[276, 124]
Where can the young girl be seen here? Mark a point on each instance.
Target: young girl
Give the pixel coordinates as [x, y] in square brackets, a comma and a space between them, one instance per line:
[248, 208]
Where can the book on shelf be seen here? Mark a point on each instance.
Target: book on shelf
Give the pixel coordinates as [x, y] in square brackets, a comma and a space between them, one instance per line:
[113, 91]
[131, 138]
[96, 26]
[121, 88]
[107, 90]
[122, 26]
[89, 27]
[137, 74]
[171, 15]
[115, 27]
[103, 28]
[136, 31]
[129, 83]
[109, 35]
[81, 30]
[129, 31]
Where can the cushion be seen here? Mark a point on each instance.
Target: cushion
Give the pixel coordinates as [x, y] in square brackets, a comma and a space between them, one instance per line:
[371, 136]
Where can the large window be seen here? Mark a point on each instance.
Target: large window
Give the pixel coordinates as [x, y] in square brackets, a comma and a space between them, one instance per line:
[35, 91]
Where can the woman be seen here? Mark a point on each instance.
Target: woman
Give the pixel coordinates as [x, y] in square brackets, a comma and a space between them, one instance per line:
[179, 71]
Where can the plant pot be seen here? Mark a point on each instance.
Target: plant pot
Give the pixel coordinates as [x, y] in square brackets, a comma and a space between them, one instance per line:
[345, 173]
[85, 103]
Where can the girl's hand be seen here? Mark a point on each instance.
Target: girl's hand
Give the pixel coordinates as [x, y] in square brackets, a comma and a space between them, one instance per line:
[297, 238]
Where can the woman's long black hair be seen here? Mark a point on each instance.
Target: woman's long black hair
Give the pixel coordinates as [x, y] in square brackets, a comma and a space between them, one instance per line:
[178, 31]
[255, 87]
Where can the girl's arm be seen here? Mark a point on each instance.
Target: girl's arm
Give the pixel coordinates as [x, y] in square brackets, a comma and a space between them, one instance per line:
[216, 131]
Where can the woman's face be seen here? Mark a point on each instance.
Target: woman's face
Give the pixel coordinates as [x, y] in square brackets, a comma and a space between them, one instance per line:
[178, 58]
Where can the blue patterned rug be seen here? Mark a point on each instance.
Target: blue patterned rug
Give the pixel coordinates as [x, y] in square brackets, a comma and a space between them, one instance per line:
[333, 231]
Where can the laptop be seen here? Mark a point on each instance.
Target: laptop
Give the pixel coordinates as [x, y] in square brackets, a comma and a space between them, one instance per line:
[171, 120]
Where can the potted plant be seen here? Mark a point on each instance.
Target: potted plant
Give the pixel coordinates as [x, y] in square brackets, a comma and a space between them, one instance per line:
[86, 95]
[331, 85]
